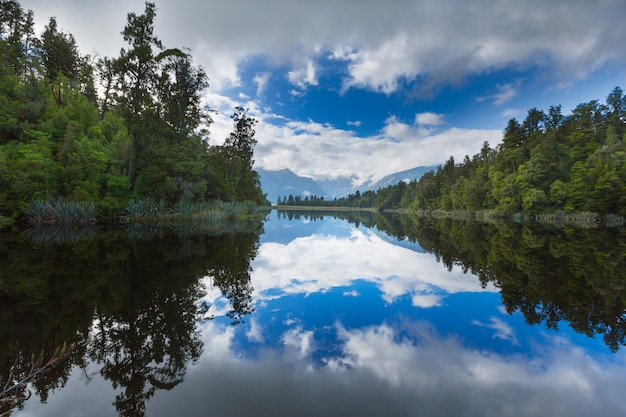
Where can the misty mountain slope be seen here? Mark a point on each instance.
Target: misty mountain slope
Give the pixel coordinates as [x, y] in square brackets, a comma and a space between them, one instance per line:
[406, 176]
[284, 182]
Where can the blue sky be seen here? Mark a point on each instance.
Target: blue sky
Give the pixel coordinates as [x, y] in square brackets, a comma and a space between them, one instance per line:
[362, 88]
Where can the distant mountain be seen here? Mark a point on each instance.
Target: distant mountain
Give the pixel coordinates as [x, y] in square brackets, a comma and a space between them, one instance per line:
[339, 187]
[283, 183]
[406, 176]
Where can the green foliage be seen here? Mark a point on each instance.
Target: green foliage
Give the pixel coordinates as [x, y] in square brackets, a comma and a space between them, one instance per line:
[144, 138]
[232, 173]
[59, 211]
[548, 163]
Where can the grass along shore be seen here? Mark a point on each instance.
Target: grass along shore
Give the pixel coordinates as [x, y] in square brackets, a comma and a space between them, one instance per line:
[58, 211]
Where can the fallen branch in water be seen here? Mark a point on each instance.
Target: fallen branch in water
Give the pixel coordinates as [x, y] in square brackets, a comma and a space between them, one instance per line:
[14, 390]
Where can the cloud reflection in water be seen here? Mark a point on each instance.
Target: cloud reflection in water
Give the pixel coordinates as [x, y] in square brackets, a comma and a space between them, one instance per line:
[380, 373]
[322, 261]
[348, 324]
[392, 363]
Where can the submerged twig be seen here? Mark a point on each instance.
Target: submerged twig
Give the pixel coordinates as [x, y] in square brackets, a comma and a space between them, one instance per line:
[15, 390]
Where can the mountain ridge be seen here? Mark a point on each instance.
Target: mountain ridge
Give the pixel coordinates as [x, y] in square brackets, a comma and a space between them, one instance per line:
[284, 182]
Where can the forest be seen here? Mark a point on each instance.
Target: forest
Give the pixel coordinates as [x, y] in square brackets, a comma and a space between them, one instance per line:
[109, 130]
[113, 130]
[548, 163]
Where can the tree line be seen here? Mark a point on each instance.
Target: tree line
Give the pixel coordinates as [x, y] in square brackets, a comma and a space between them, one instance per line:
[106, 130]
[549, 162]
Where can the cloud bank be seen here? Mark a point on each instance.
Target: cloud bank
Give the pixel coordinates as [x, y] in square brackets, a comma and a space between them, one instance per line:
[382, 42]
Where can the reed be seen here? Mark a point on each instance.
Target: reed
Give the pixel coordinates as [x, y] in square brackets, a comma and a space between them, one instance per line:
[59, 211]
[613, 220]
[60, 233]
[146, 211]
[137, 209]
[586, 219]
[5, 221]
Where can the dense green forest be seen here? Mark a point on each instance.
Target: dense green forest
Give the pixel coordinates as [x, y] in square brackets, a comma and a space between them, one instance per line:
[550, 162]
[107, 130]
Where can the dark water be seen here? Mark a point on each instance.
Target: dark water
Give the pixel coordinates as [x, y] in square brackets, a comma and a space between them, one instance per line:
[315, 315]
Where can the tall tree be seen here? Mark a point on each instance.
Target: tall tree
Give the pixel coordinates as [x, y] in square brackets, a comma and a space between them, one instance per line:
[138, 68]
[236, 180]
[180, 89]
[60, 58]
[616, 102]
[242, 139]
[59, 52]
[17, 37]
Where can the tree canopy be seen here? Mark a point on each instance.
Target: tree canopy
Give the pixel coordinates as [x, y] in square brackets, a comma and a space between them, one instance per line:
[143, 135]
[549, 162]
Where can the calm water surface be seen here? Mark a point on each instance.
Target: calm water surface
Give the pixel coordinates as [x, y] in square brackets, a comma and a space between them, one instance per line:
[312, 315]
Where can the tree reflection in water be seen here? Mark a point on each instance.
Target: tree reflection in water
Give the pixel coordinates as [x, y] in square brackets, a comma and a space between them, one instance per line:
[131, 307]
[552, 275]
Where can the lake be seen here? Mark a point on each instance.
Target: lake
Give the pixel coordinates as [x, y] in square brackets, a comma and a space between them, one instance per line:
[314, 314]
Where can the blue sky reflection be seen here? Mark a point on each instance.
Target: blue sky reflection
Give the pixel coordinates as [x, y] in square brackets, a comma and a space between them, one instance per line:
[347, 323]
[336, 254]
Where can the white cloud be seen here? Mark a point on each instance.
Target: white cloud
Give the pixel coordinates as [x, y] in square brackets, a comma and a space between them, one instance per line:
[300, 340]
[502, 330]
[303, 77]
[380, 370]
[322, 151]
[512, 113]
[296, 93]
[429, 119]
[403, 363]
[380, 68]
[427, 300]
[261, 81]
[255, 333]
[506, 92]
[301, 267]
[396, 130]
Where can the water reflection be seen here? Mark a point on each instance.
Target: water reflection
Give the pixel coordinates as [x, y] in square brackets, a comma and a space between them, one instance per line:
[556, 276]
[363, 315]
[403, 370]
[131, 308]
[336, 254]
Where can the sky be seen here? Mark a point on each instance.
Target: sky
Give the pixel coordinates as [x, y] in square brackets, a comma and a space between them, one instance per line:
[364, 88]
